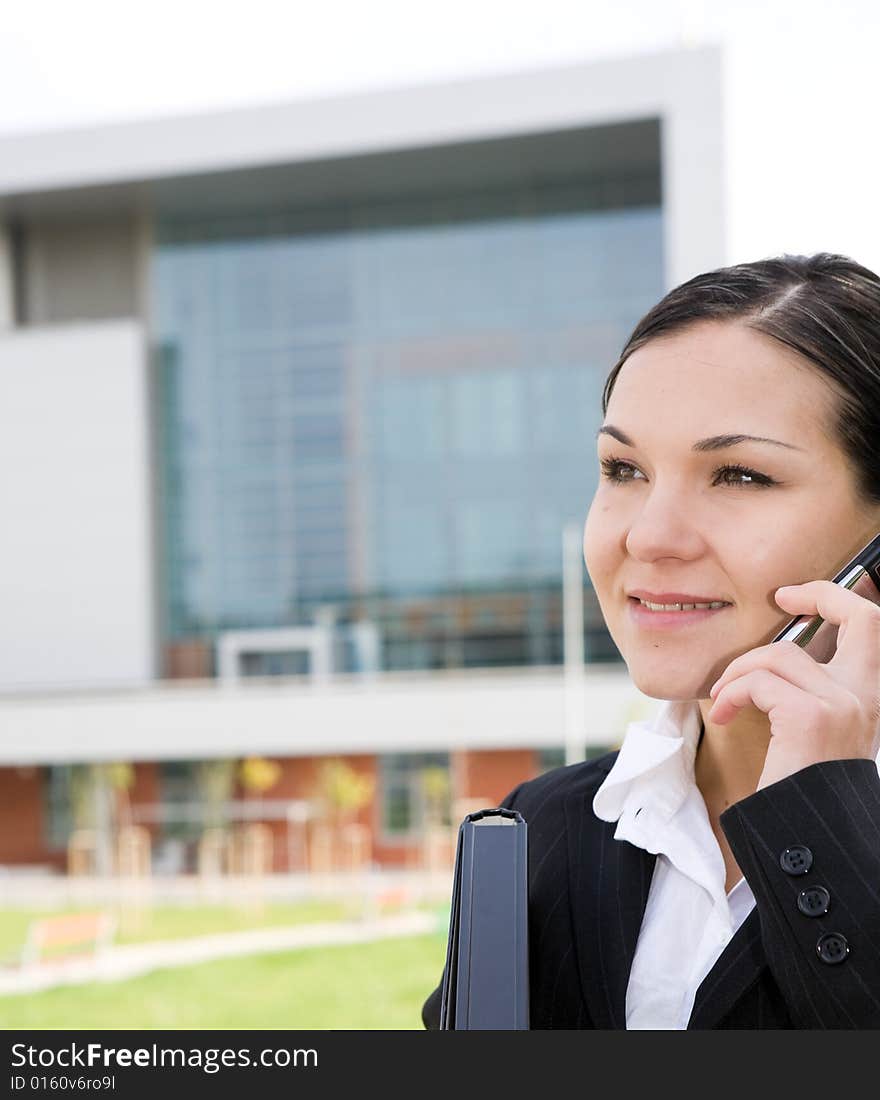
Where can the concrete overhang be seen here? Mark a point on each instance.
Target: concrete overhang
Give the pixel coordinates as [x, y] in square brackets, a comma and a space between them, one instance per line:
[394, 712]
[553, 123]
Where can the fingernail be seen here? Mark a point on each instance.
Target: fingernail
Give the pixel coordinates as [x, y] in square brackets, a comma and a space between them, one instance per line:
[713, 689]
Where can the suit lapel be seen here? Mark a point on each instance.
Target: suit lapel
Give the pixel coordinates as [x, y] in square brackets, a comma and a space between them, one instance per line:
[609, 881]
[737, 968]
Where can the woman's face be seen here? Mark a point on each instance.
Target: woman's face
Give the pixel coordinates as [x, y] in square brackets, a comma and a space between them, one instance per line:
[679, 523]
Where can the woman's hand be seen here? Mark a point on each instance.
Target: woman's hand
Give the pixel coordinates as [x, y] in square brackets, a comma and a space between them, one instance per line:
[817, 711]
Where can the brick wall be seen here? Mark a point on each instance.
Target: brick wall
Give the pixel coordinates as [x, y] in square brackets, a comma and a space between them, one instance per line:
[484, 777]
[22, 839]
[489, 775]
[300, 779]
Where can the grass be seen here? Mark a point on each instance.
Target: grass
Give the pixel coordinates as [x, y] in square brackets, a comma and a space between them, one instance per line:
[172, 922]
[374, 986]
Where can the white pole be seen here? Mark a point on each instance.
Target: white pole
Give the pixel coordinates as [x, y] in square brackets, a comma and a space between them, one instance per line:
[573, 642]
[103, 822]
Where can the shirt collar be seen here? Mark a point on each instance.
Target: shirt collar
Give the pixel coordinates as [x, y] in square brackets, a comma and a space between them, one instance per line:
[655, 765]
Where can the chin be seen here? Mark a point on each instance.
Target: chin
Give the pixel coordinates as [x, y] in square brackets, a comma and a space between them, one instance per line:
[661, 684]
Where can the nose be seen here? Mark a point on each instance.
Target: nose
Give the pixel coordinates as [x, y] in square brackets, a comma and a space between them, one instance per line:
[663, 527]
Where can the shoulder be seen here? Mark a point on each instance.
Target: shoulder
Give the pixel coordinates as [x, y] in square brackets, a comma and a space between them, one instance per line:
[549, 791]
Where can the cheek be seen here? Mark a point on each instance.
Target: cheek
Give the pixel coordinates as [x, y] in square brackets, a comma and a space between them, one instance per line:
[600, 540]
[763, 553]
[761, 567]
[767, 568]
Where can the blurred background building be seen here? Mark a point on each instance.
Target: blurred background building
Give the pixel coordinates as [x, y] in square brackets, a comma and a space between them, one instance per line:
[296, 403]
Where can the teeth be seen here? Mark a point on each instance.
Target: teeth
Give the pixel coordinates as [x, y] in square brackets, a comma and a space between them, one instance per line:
[681, 606]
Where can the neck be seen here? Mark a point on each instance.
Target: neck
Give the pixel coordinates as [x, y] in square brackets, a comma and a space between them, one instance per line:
[730, 758]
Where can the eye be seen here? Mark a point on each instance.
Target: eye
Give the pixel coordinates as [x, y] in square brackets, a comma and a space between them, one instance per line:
[743, 475]
[615, 470]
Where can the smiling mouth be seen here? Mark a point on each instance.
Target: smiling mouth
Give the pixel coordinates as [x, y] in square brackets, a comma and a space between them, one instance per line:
[709, 606]
[672, 616]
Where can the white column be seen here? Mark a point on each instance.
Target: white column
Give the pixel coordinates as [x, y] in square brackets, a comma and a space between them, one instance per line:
[573, 642]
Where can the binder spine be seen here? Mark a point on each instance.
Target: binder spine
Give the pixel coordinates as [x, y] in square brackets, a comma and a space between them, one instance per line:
[486, 977]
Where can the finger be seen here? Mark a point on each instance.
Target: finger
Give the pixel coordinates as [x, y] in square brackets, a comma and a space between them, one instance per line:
[785, 659]
[765, 690]
[858, 639]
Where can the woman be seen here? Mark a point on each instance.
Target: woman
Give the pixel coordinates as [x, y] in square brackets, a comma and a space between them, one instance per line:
[722, 870]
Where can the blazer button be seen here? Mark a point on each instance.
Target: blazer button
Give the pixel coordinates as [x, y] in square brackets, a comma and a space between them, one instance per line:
[814, 901]
[832, 948]
[796, 860]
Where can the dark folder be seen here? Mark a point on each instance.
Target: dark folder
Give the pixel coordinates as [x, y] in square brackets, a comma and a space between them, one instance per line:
[486, 980]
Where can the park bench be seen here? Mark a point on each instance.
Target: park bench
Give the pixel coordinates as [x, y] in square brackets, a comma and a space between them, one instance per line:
[67, 935]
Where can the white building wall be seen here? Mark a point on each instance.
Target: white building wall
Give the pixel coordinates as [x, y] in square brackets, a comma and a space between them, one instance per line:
[76, 593]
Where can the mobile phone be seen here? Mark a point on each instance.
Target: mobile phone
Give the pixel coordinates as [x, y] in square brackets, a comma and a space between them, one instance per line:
[813, 633]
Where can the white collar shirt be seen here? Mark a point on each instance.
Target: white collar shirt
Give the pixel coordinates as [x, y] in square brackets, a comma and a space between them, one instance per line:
[689, 918]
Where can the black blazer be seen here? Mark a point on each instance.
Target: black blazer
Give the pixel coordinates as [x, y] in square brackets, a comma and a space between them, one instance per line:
[782, 968]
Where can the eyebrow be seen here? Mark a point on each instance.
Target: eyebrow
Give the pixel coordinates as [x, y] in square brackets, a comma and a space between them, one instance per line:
[712, 443]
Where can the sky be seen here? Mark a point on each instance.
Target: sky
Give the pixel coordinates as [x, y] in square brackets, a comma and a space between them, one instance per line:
[65, 63]
[799, 78]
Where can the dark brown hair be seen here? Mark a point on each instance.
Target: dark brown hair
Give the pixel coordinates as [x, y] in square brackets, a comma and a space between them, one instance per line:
[826, 307]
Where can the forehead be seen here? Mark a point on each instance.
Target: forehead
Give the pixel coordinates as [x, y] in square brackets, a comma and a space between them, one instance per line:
[722, 376]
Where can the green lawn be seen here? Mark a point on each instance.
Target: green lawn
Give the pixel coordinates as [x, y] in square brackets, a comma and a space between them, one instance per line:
[375, 986]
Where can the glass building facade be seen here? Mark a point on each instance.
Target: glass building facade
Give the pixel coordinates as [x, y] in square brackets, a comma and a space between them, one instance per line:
[389, 406]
